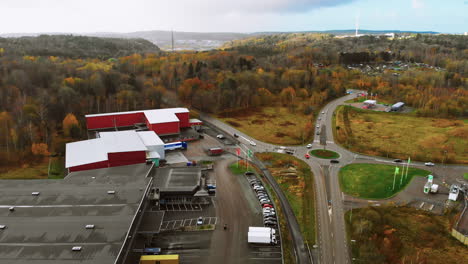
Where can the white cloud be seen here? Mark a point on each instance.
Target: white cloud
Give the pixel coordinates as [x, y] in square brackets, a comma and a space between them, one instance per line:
[417, 4]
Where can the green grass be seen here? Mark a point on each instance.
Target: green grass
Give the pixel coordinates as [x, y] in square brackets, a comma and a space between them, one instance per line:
[241, 169]
[400, 234]
[277, 125]
[37, 171]
[465, 176]
[375, 181]
[397, 135]
[296, 180]
[324, 154]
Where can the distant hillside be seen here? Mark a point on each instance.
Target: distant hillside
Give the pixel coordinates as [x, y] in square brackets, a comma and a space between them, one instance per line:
[182, 40]
[352, 32]
[206, 41]
[75, 46]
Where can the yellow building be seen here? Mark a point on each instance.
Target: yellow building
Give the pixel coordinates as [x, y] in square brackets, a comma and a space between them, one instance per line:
[159, 259]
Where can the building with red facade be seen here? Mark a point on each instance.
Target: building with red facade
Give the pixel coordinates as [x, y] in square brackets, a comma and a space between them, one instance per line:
[167, 121]
[113, 149]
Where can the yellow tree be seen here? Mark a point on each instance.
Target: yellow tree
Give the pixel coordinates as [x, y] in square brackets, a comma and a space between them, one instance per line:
[68, 122]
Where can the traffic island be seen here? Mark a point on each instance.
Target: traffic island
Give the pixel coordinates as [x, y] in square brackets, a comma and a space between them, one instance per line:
[376, 181]
[324, 154]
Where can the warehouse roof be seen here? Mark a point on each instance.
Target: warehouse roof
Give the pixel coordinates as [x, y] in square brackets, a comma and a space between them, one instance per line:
[164, 115]
[44, 228]
[122, 141]
[177, 179]
[154, 116]
[85, 152]
[150, 138]
[96, 150]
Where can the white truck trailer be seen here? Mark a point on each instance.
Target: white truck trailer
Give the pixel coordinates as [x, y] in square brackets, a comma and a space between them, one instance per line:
[261, 238]
[262, 229]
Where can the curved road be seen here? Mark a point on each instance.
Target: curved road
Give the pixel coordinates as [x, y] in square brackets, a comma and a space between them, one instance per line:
[332, 241]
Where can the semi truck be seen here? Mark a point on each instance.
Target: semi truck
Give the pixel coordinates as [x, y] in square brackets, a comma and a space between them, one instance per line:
[261, 235]
[262, 229]
[261, 238]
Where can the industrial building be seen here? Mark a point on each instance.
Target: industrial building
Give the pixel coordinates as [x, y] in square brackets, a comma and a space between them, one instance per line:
[167, 121]
[179, 182]
[89, 217]
[113, 149]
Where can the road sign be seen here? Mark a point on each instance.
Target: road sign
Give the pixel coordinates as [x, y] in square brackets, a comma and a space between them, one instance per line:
[250, 153]
[430, 177]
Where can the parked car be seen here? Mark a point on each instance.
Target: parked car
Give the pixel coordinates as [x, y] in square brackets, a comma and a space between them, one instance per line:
[334, 161]
[323, 112]
[269, 218]
[309, 146]
[319, 118]
[267, 206]
[200, 221]
[318, 126]
[397, 160]
[429, 164]
[268, 222]
[307, 156]
[220, 136]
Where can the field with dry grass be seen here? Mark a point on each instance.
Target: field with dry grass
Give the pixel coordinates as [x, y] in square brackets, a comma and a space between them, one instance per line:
[276, 125]
[392, 234]
[37, 171]
[401, 136]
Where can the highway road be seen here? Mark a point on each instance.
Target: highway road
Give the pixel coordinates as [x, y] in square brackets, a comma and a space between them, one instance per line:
[331, 234]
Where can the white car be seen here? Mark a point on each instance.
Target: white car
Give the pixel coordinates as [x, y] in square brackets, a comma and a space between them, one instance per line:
[200, 221]
[429, 164]
[318, 126]
[220, 136]
[309, 146]
[323, 112]
[253, 143]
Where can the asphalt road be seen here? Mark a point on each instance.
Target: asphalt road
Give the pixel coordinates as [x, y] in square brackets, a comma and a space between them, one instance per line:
[332, 241]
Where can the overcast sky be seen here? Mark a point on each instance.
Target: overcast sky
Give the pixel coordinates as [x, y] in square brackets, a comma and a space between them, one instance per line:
[30, 16]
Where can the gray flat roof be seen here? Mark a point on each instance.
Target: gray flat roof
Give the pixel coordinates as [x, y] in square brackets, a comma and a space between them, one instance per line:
[44, 228]
[177, 179]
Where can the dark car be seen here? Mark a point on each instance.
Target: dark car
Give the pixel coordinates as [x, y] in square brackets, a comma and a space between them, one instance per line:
[397, 160]
[235, 135]
[334, 161]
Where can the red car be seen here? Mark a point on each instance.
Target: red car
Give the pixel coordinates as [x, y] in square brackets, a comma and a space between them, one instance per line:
[307, 156]
[267, 206]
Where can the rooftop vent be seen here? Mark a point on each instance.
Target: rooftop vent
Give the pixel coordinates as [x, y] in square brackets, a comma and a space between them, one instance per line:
[35, 193]
[89, 226]
[2, 226]
[76, 248]
[11, 209]
[110, 192]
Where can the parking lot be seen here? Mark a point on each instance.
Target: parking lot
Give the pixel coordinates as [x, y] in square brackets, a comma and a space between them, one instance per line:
[177, 224]
[235, 205]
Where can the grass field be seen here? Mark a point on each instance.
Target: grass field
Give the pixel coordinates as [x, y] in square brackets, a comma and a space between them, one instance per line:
[324, 154]
[39, 171]
[240, 168]
[296, 180]
[390, 234]
[402, 135]
[276, 125]
[375, 181]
